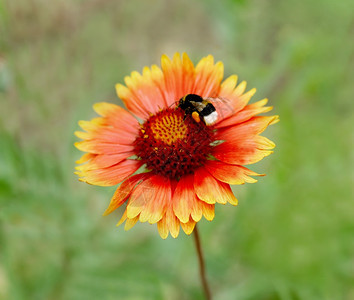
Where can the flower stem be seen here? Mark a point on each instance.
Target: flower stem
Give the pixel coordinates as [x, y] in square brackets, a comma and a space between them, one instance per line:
[201, 264]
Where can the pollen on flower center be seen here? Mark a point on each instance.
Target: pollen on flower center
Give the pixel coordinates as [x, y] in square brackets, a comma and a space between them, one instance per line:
[172, 144]
[169, 128]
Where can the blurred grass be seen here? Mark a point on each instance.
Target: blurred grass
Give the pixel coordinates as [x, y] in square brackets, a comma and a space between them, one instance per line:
[291, 237]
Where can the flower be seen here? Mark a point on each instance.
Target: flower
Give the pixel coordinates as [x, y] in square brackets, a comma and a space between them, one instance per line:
[173, 169]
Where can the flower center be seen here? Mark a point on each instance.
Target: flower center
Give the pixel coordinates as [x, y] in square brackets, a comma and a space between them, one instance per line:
[172, 144]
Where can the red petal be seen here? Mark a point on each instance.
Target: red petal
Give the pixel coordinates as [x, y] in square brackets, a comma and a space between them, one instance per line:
[241, 152]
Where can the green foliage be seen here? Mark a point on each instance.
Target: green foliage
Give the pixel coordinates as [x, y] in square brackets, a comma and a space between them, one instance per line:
[291, 237]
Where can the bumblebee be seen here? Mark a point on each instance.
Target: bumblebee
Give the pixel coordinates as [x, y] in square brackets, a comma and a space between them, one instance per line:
[199, 108]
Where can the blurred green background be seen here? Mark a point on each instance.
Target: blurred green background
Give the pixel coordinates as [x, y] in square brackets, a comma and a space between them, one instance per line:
[292, 235]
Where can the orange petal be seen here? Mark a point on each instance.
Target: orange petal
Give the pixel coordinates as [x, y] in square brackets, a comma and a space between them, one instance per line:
[245, 114]
[235, 100]
[116, 116]
[123, 191]
[110, 135]
[132, 103]
[211, 190]
[179, 76]
[111, 175]
[104, 161]
[141, 195]
[183, 198]
[155, 206]
[98, 147]
[150, 199]
[231, 174]
[142, 96]
[208, 77]
[117, 125]
[252, 127]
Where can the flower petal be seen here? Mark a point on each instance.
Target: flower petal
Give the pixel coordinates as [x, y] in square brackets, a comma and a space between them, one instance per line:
[111, 175]
[241, 152]
[179, 76]
[150, 199]
[208, 210]
[184, 198]
[252, 127]
[98, 147]
[155, 207]
[211, 190]
[172, 222]
[104, 161]
[245, 114]
[231, 174]
[123, 218]
[234, 98]
[208, 77]
[117, 126]
[129, 223]
[85, 158]
[188, 227]
[163, 228]
[197, 210]
[123, 192]
[117, 116]
[142, 95]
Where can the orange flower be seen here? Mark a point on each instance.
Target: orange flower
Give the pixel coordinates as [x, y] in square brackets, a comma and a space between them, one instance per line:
[173, 169]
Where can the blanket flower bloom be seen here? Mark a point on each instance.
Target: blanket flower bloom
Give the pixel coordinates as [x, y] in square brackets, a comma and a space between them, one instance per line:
[173, 169]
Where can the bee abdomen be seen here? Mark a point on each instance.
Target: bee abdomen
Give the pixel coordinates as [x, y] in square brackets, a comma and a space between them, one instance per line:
[207, 110]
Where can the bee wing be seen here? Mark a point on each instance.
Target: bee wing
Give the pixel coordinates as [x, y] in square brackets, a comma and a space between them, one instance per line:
[223, 107]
